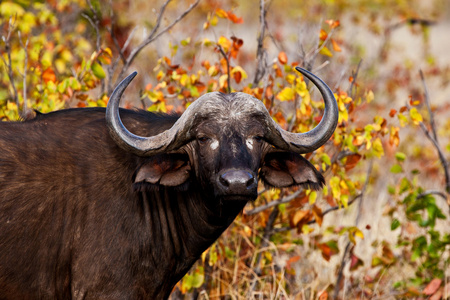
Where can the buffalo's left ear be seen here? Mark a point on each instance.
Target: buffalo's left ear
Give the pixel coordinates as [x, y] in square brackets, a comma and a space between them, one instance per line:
[284, 169]
[164, 169]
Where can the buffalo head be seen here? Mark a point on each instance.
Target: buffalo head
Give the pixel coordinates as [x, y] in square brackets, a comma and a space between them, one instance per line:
[226, 143]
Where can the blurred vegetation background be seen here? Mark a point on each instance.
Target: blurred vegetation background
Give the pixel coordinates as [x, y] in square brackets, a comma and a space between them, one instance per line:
[380, 228]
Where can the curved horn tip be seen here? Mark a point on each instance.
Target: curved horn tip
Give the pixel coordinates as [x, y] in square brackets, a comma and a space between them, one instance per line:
[303, 71]
[130, 77]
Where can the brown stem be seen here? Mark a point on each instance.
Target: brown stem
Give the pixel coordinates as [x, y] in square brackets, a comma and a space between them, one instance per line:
[228, 67]
[154, 34]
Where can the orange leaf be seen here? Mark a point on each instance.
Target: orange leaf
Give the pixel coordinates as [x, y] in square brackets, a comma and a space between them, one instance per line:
[323, 296]
[333, 23]
[232, 17]
[322, 35]
[432, 287]
[392, 113]
[299, 216]
[292, 260]
[317, 212]
[49, 75]
[335, 46]
[282, 58]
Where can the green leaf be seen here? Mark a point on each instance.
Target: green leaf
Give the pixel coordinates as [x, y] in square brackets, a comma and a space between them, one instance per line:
[405, 185]
[326, 159]
[396, 169]
[400, 156]
[395, 224]
[98, 71]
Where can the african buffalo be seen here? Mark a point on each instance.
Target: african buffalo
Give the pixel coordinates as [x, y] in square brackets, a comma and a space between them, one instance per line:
[89, 210]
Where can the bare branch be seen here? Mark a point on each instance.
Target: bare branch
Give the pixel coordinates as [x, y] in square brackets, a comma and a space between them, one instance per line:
[95, 23]
[268, 231]
[8, 62]
[154, 34]
[347, 248]
[432, 192]
[427, 101]
[261, 54]
[433, 137]
[228, 67]
[274, 203]
[24, 75]
[440, 154]
[354, 76]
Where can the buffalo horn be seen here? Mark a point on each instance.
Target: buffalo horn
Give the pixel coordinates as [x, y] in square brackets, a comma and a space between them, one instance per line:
[179, 133]
[308, 141]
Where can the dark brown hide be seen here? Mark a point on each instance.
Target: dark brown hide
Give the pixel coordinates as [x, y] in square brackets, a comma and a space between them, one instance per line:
[81, 218]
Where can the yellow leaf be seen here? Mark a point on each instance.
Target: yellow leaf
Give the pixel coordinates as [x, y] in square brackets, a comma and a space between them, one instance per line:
[325, 51]
[312, 197]
[224, 43]
[221, 13]
[184, 79]
[286, 94]
[416, 117]
[335, 187]
[377, 148]
[223, 80]
[214, 20]
[369, 96]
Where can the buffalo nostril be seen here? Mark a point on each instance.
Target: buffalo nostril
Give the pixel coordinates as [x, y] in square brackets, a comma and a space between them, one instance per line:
[223, 180]
[251, 182]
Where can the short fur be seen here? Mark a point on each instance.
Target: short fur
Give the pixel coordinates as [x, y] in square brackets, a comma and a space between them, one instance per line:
[81, 218]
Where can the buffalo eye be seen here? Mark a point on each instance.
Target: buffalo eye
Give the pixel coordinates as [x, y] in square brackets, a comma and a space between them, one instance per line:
[258, 138]
[203, 139]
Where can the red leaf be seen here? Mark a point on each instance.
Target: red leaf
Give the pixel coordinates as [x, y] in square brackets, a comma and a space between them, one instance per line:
[352, 160]
[237, 77]
[432, 287]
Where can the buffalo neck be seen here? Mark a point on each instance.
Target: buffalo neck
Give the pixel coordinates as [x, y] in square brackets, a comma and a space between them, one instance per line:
[181, 225]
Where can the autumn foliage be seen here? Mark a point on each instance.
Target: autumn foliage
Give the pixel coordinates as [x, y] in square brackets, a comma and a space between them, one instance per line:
[379, 228]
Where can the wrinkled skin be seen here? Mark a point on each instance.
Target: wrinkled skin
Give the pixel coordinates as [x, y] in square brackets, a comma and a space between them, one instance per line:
[81, 218]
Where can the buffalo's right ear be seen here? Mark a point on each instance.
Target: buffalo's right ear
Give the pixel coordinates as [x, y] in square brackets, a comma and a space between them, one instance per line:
[284, 169]
[164, 169]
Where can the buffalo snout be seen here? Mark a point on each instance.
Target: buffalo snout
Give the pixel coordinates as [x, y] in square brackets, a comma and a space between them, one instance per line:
[238, 183]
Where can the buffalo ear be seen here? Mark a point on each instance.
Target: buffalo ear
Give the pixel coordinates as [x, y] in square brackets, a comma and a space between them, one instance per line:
[164, 169]
[284, 169]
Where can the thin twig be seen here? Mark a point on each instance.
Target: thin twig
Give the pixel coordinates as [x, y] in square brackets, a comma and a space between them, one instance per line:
[347, 248]
[24, 76]
[274, 203]
[154, 34]
[219, 47]
[432, 192]
[427, 101]
[8, 63]
[95, 23]
[354, 76]
[268, 231]
[433, 137]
